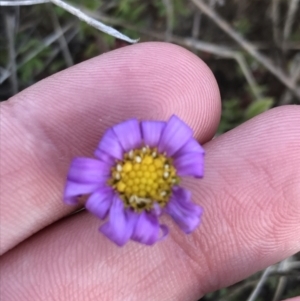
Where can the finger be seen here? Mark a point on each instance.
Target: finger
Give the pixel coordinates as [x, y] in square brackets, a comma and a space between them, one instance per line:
[250, 195]
[64, 116]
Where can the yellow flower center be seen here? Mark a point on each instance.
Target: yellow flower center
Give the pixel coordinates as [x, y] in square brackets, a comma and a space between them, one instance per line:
[144, 177]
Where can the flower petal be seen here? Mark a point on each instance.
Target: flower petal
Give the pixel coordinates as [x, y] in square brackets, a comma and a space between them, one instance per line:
[183, 211]
[87, 170]
[156, 210]
[74, 189]
[174, 136]
[110, 145]
[129, 134]
[190, 164]
[151, 132]
[120, 225]
[164, 232]
[104, 157]
[146, 229]
[192, 146]
[100, 201]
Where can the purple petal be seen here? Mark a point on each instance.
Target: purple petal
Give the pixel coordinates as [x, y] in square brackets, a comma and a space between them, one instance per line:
[151, 132]
[110, 145]
[175, 135]
[183, 211]
[104, 157]
[164, 232]
[192, 146]
[191, 164]
[73, 190]
[157, 209]
[86, 170]
[146, 229]
[120, 225]
[100, 201]
[129, 134]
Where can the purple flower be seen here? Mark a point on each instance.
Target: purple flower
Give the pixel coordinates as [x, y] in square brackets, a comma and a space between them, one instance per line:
[136, 177]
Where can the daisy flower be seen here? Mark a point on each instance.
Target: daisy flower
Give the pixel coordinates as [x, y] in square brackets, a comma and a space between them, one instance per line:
[136, 178]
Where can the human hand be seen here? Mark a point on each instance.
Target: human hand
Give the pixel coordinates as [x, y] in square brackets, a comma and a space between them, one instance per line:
[250, 191]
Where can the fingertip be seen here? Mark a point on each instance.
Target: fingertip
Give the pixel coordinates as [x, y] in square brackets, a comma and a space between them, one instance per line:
[150, 80]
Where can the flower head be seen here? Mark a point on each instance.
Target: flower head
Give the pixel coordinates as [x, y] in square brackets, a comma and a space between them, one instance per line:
[136, 178]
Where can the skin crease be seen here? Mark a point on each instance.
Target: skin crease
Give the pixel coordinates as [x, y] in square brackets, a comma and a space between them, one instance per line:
[250, 191]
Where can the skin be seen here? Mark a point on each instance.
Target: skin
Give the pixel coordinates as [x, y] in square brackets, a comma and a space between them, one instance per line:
[250, 191]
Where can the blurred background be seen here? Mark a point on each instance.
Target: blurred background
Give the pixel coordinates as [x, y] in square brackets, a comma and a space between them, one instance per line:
[252, 47]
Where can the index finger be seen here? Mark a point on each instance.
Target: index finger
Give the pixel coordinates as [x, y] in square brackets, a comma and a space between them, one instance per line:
[65, 115]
